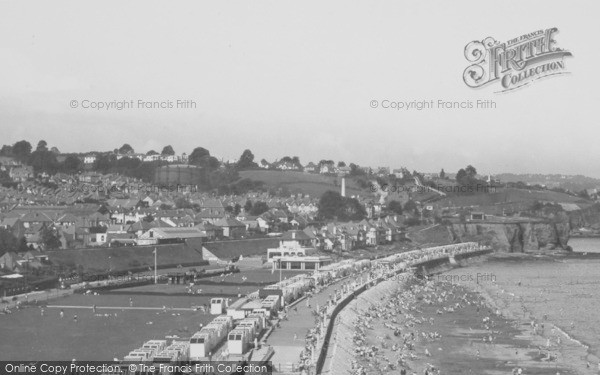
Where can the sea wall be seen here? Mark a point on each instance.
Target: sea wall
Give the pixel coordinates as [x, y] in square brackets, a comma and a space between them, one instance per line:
[338, 340]
[514, 236]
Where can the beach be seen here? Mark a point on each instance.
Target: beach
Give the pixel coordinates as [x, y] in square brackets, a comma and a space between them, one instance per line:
[477, 318]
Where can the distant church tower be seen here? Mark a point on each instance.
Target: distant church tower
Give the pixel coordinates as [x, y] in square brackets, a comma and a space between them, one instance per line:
[343, 186]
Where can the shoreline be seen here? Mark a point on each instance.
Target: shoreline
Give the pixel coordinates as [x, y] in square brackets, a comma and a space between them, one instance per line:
[546, 350]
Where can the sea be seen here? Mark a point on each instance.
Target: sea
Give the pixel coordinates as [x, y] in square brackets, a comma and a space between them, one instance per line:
[564, 290]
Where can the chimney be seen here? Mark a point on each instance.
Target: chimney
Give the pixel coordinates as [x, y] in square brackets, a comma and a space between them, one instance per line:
[343, 186]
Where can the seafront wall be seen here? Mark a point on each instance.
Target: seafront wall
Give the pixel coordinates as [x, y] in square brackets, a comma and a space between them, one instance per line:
[335, 349]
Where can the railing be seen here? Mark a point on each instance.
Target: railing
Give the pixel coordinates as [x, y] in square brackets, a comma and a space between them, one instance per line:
[399, 263]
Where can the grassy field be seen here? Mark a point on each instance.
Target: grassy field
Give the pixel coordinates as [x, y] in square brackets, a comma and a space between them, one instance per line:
[110, 333]
[507, 196]
[299, 182]
[27, 335]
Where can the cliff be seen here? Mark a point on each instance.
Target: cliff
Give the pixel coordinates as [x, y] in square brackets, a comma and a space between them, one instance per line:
[517, 236]
[586, 217]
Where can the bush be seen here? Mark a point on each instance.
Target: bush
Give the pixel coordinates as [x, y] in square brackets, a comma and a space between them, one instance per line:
[411, 222]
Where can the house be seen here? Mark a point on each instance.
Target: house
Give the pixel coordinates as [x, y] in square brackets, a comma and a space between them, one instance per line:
[399, 173]
[264, 164]
[9, 261]
[327, 168]
[210, 231]
[287, 166]
[232, 228]
[383, 171]
[168, 158]
[150, 158]
[250, 222]
[21, 174]
[310, 167]
[89, 159]
[263, 224]
[343, 171]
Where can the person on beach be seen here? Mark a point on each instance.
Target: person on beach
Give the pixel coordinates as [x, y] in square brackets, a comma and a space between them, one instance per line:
[75, 318]
[62, 313]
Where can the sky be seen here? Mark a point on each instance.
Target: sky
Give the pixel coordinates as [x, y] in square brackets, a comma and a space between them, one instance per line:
[299, 78]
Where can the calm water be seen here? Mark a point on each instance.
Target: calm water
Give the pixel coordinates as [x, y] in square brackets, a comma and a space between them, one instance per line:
[567, 290]
[590, 245]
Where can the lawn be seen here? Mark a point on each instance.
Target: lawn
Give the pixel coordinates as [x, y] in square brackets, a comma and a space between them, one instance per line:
[110, 333]
[27, 335]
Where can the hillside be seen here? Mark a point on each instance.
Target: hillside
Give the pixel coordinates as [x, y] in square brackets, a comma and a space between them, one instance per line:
[300, 182]
[573, 183]
[511, 196]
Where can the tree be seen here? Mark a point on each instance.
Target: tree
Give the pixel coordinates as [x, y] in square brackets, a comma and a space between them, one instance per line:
[332, 206]
[296, 161]
[55, 150]
[151, 152]
[182, 202]
[104, 163]
[248, 206]
[6, 150]
[395, 207]
[201, 157]
[442, 174]
[126, 149]
[259, 208]
[23, 245]
[355, 170]
[324, 162]
[471, 171]
[198, 154]
[246, 160]
[584, 194]
[50, 238]
[42, 146]
[237, 209]
[341, 164]
[411, 206]
[43, 160]
[72, 164]
[168, 151]
[461, 175]
[21, 150]
[8, 242]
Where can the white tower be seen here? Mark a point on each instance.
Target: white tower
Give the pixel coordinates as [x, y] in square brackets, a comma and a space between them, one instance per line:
[343, 186]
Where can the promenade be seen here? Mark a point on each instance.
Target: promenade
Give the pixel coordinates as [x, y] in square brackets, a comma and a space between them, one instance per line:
[298, 342]
[289, 340]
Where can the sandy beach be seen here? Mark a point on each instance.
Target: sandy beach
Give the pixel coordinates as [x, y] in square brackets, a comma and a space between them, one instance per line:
[445, 325]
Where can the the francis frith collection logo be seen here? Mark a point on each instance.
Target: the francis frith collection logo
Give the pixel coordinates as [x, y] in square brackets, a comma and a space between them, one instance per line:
[514, 63]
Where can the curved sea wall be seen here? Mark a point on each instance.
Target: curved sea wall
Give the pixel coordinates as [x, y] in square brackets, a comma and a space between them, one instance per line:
[338, 358]
[514, 236]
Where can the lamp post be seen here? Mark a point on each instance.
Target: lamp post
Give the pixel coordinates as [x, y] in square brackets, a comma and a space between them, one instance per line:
[155, 266]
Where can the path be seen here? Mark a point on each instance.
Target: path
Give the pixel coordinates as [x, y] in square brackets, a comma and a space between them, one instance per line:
[299, 323]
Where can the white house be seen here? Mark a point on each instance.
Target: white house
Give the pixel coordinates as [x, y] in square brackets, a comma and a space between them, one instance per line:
[89, 159]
